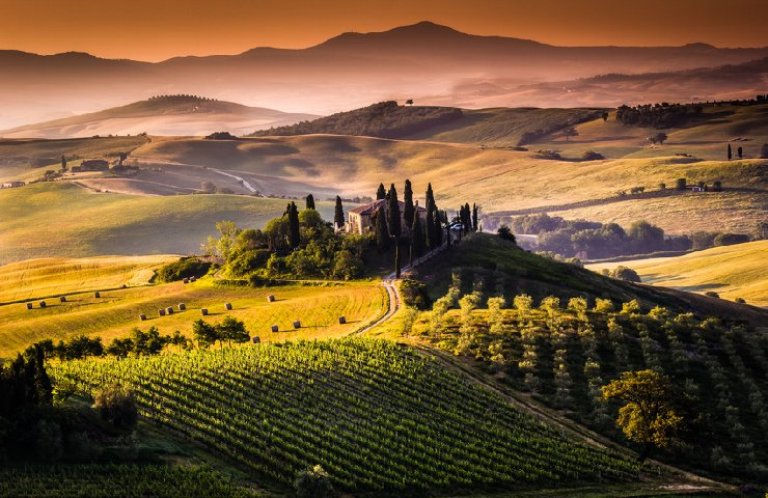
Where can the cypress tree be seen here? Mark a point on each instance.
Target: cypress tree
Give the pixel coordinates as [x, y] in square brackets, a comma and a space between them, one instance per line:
[467, 219]
[393, 213]
[438, 231]
[429, 235]
[740, 152]
[310, 202]
[294, 233]
[382, 235]
[381, 193]
[730, 152]
[474, 217]
[338, 215]
[408, 207]
[417, 239]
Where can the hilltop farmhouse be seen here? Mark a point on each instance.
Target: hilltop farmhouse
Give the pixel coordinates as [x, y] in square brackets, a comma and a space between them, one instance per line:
[362, 219]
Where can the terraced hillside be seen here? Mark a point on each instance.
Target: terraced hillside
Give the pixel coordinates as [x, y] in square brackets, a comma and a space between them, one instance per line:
[732, 272]
[116, 311]
[377, 416]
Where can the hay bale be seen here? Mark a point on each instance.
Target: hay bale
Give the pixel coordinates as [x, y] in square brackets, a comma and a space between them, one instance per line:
[297, 324]
[186, 280]
[42, 304]
[63, 299]
[161, 312]
[182, 307]
[270, 298]
[342, 320]
[228, 306]
[97, 294]
[169, 310]
[30, 306]
[204, 311]
[142, 317]
[256, 339]
[192, 279]
[275, 328]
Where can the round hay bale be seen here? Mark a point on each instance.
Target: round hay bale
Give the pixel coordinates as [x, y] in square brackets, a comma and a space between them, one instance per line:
[169, 310]
[297, 324]
[270, 298]
[42, 304]
[275, 328]
[161, 312]
[97, 294]
[142, 317]
[182, 307]
[186, 280]
[63, 299]
[30, 306]
[192, 279]
[256, 339]
[342, 320]
[228, 306]
[204, 311]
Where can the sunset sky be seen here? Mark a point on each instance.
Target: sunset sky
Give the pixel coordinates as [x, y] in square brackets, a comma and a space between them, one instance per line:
[159, 29]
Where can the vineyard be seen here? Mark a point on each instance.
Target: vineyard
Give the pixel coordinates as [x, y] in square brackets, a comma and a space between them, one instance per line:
[378, 417]
[563, 352]
[128, 481]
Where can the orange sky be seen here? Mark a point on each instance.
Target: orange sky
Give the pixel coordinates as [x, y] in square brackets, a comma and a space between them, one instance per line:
[159, 29]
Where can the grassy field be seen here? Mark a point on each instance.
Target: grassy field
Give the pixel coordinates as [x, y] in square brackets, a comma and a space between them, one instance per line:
[117, 311]
[27, 159]
[64, 220]
[379, 417]
[42, 278]
[731, 271]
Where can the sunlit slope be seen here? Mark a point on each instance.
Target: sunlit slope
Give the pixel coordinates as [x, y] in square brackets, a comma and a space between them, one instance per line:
[378, 417]
[64, 220]
[705, 138]
[731, 271]
[116, 311]
[40, 278]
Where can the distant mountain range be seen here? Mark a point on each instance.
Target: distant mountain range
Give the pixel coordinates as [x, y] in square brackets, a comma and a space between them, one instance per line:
[179, 115]
[434, 64]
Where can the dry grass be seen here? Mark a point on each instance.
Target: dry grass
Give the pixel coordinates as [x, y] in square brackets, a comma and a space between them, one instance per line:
[731, 271]
[117, 311]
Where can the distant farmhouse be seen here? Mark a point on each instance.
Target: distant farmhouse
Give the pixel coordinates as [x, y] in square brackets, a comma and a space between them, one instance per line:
[362, 219]
[12, 184]
[91, 165]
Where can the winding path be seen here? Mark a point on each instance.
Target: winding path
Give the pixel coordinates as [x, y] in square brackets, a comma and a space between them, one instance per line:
[250, 188]
[393, 294]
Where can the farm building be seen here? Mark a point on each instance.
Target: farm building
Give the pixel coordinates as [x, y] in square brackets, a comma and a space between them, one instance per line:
[12, 184]
[94, 165]
[362, 218]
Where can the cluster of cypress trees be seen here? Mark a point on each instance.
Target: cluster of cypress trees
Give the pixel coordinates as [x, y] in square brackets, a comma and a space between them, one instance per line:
[468, 218]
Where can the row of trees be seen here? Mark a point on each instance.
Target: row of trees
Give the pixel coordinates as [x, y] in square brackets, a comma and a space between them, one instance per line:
[663, 115]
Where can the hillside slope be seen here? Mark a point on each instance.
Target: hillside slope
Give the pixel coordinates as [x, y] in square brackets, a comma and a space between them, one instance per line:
[378, 417]
[500, 266]
[731, 271]
[166, 115]
[495, 127]
[88, 223]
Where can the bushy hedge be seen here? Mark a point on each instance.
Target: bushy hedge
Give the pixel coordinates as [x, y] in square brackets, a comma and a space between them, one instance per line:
[183, 268]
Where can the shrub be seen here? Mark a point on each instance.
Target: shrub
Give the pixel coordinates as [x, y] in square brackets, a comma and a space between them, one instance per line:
[591, 155]
[603, 305]
[549, 154]
[183, 268]
[729, 239]
[313, 482]
[712, 294]
[626, 274]
[630, 307]
[414, 294]
[116, 405]
[740, 300]
[506, 234]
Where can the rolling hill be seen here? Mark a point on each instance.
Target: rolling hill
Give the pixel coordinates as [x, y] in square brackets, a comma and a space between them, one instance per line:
[166, 115]
[493, 127]
[732, 272]
[433, 64]
[87, 223]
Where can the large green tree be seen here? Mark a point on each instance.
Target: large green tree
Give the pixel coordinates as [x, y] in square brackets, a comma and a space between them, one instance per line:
[408, 207]
[381, 192]
[648, 415]
[382, 234]
[393, 213]
[338, 214]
